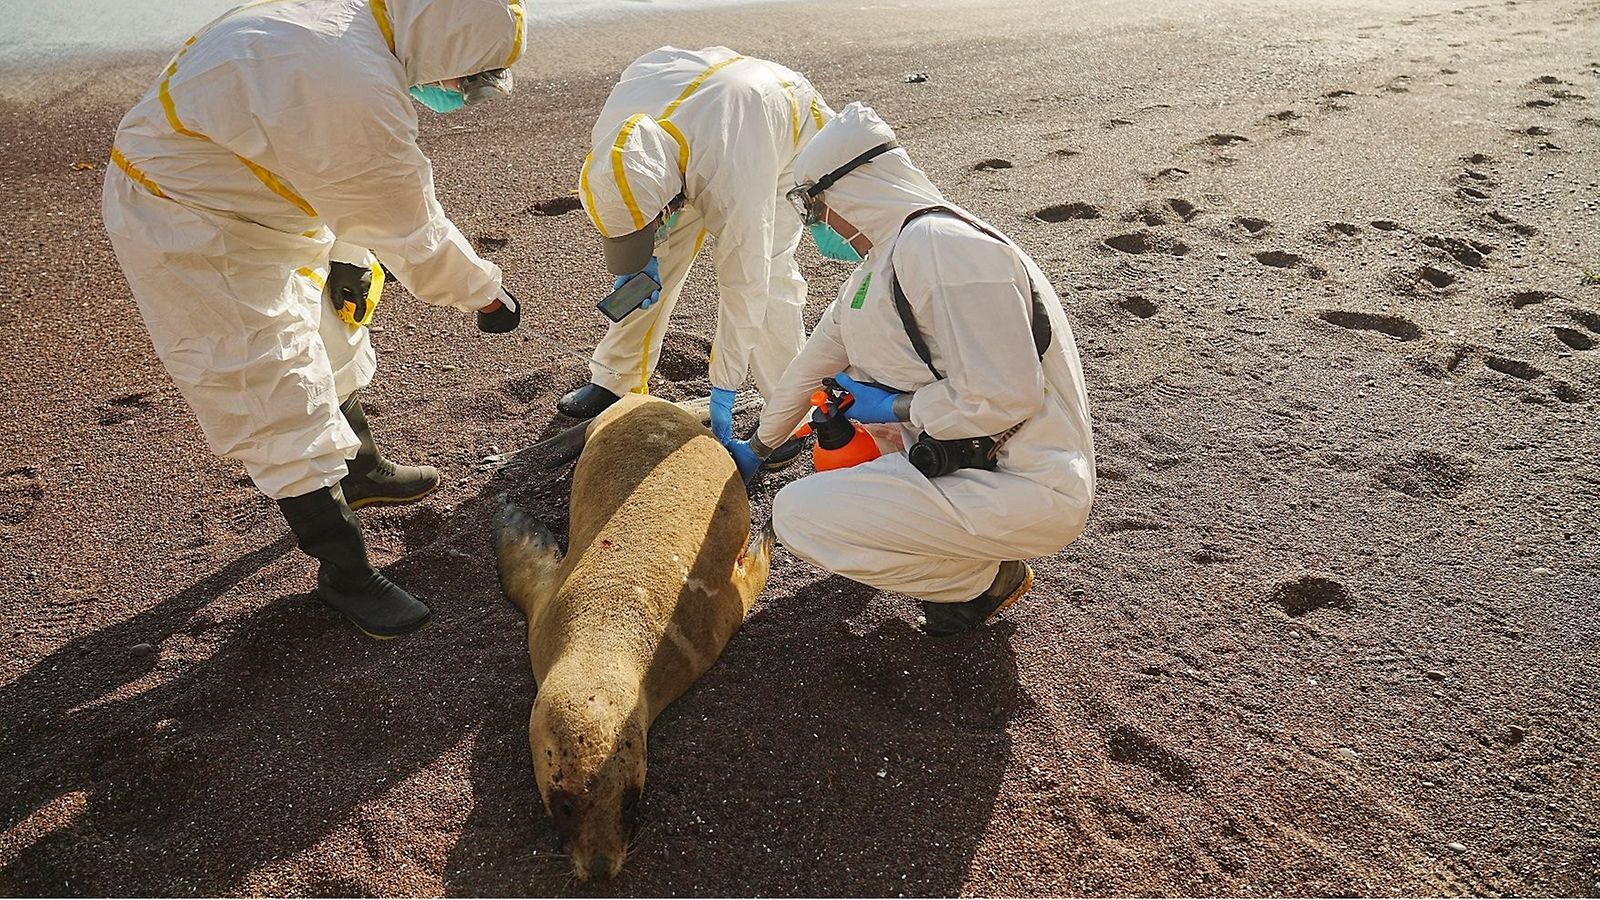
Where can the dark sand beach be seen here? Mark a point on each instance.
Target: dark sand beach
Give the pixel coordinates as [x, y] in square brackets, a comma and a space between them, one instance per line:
[1334, 270]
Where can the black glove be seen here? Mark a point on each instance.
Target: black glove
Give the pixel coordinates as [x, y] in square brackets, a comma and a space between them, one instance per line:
[347, 288]
[504, 319]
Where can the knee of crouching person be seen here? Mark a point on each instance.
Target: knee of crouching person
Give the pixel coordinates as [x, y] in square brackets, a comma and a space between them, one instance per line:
[798, 518]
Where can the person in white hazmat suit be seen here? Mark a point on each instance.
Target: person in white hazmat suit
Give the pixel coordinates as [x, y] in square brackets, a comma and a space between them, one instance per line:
[690, 143]
[246, 190]
[974, 369]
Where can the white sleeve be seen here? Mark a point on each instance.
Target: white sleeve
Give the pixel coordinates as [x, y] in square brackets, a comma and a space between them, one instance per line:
[972, 299]
[823, 355]
[367, 179]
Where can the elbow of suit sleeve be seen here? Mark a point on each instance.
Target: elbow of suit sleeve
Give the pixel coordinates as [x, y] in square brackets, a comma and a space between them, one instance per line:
[822, 356]
[950, 410]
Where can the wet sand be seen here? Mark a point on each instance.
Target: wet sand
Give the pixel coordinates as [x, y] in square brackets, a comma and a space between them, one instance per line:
[1332, 628]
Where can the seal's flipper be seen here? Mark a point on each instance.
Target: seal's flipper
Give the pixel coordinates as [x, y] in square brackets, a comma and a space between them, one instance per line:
[564, 447]
[528, 557]
[754, 564]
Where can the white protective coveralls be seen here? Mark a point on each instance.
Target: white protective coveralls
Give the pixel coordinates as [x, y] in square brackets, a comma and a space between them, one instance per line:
[283, 124]
[883, 523]
[723, 130]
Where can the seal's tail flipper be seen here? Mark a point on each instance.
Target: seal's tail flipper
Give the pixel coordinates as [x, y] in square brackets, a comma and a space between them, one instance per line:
[754, 564]
[528, 557]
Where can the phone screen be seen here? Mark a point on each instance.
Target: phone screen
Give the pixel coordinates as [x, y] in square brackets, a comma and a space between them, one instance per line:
[627, 298]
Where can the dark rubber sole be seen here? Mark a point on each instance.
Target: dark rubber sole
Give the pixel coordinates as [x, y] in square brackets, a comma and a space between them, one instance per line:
[388, 501]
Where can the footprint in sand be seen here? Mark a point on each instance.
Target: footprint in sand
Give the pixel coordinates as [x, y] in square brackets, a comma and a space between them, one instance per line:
[1170, 173]
[1396, 327]
[126, 407]
[1585, 318]
[1573, 338]
[1469, 253]
[1427, 475]
[991, 165]
[1520, 299]
[1331, 100]
[1067, 212]
[1252, 224]
[1435, 278]
[1310, 593]
[489, 243]
[1385, 225]
[1125, 744]
[1143, 307]
[1516, 368]
[1500, 219]
[20, 495]
[1223, 140]
[1337, 233]
[1166, 212]
[1142, 242]
[555, 206]
[1279, 259]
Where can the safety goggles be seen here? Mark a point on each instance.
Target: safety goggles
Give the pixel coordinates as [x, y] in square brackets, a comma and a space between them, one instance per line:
[807, 198]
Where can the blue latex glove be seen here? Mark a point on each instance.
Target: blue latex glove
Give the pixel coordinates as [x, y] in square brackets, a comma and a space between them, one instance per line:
[651, 268]
[745, 458]
[873, 405]
[722, 414]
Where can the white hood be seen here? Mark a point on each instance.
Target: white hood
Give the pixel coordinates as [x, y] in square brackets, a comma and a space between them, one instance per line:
[440, 39]
[878, 196]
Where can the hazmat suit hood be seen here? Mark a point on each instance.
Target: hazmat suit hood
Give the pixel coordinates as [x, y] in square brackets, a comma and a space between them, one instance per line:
[440, 39]
[631, 174]
[878, 196]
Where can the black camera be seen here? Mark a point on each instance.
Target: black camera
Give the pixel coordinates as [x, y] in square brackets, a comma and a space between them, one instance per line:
[934, 457]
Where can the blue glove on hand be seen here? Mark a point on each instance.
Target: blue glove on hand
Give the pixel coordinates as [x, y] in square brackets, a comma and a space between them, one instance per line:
[745, 458]
[873, 404]
[651, 268]
[722, 414]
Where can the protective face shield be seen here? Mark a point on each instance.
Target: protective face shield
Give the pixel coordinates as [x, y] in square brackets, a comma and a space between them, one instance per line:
[807, 198]
[832, 244]
[439, 98]
[807, 201]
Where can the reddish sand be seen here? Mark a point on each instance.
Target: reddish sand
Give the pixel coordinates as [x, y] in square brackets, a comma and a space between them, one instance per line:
[1332, 628]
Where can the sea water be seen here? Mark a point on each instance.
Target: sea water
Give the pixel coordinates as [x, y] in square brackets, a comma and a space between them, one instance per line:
[45, 34]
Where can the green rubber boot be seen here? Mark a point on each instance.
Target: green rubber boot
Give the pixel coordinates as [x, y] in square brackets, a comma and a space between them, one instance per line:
[375, 480]
[327, 530]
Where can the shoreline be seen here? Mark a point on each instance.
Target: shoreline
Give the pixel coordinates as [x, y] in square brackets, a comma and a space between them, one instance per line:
[1325, 268]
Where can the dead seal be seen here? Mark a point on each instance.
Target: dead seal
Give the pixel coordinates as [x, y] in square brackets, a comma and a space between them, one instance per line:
[658, 575]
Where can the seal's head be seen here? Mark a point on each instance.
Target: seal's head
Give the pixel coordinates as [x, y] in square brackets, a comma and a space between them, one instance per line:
[588, 742]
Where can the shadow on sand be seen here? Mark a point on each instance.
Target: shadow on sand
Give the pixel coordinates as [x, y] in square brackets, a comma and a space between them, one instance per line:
[810, 760]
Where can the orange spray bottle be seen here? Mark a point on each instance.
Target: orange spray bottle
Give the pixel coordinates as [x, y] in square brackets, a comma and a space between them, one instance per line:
[840, 442]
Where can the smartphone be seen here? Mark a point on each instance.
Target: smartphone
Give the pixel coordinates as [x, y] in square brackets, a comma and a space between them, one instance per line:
[624, 300]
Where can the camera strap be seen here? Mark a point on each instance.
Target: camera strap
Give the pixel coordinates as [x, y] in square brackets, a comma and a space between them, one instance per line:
[1042, 332]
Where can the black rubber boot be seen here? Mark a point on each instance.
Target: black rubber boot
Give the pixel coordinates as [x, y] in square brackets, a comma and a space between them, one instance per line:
[946, 619]
[586, 402]
[785, 455]
[326, 529]
[375, 480]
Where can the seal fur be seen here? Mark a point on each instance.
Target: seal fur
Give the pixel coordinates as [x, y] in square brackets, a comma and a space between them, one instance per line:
[657, 577]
